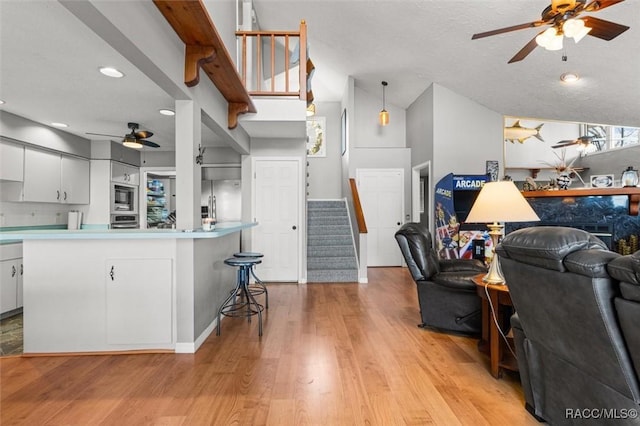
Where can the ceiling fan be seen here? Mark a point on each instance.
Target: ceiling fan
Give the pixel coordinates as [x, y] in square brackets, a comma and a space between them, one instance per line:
[585, 143]
[136, 139]
[562, 16]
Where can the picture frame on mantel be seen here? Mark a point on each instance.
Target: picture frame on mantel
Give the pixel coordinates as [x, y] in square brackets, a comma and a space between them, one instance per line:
[316, 137]
[602, 181]
[493, 170]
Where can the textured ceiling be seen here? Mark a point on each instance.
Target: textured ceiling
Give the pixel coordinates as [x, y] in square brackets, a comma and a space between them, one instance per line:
[414, 43]
[49, 61]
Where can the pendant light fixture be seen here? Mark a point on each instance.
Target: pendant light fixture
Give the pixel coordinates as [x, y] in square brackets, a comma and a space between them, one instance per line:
[383, 117]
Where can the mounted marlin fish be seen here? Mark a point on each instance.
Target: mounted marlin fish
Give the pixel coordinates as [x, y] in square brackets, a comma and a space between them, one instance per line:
[521, 134]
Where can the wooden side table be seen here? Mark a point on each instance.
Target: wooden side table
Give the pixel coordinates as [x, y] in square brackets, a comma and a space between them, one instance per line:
[492, 342]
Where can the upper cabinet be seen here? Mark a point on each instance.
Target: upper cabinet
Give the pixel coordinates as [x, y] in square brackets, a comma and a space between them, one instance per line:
[74, 180]
[11, 161]
[124, 173]
[54, 178]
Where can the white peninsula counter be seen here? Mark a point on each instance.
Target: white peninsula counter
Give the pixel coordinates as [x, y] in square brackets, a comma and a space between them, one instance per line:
[124, 290]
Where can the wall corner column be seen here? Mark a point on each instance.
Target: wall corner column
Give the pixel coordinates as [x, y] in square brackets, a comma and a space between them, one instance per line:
[188, 173]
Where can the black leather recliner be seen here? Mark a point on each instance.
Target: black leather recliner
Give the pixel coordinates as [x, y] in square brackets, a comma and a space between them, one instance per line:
[626, 269]
[573, 359]
[446, 295]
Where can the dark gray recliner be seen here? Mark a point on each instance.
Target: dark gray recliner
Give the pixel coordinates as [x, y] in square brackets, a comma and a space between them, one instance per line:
[626, 269]
[446, 295]
[571, 351]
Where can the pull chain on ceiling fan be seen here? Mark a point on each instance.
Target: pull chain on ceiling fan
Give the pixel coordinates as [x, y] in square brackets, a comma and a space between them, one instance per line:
[562, 16]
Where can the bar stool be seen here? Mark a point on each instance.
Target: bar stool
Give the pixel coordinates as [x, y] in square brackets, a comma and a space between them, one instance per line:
[245, 304]
[259, 287]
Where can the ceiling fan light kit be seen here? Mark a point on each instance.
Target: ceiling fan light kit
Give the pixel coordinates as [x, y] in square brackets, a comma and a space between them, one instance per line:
[550, 39]
[130, 142]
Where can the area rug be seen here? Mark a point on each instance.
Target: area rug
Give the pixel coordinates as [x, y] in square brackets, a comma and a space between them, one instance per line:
[11, 335]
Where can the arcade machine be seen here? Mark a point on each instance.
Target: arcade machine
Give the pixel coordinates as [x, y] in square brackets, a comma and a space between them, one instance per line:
[454, 196]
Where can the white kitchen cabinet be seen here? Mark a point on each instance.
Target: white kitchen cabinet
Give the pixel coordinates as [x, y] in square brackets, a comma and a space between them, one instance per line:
[41, 176]
[124, 173]
[11, 161]
[74, 180]
[10, 277]
[54, 178]
[139, 301]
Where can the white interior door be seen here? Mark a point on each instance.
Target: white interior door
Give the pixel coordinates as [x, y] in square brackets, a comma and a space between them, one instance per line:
[382, 196]
[277, 211]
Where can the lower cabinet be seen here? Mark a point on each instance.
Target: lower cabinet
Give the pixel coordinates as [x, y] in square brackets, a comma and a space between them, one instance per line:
[139, 301]
[11, 271]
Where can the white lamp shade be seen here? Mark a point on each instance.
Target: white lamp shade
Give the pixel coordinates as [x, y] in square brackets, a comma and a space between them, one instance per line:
[501, 202]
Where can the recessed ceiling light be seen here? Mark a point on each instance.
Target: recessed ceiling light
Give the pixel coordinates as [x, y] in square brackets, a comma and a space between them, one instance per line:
[111, 72]
[167, 112]
[569, 77]
[1, 102]
[61, 125]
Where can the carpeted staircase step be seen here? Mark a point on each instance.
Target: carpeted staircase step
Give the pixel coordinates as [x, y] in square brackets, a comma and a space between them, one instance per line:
[323, 204]
[329, 240]
[328, 220]
[331, 262]
[315, 213]
[339, 230]
[330, 251]
[333, 276]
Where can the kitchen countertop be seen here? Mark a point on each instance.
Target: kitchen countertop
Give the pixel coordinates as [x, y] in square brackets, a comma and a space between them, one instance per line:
[220, 230]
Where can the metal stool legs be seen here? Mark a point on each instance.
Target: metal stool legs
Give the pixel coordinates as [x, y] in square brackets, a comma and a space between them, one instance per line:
[241, 301]
[258, 287]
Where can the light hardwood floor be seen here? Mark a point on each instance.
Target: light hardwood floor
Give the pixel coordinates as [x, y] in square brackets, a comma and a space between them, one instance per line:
[331, 354]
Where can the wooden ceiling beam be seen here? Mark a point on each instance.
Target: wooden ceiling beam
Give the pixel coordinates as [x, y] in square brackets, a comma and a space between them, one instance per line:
[205, 49]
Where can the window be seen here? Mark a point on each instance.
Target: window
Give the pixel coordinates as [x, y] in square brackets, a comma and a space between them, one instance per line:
[609, 137]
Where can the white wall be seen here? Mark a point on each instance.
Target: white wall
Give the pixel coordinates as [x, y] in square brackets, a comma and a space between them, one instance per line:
[29, 132]
[420, 128]
[325, 172]
[534, 153]
[613, 162]
[368, 133]
[466, 135]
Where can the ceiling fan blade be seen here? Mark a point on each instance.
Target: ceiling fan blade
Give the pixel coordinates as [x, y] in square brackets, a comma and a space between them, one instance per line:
[102, 134]
[528, 48]
[563, 144]
[599, 5]
[149, 143]
[606, 30]
[143, 134]
[508, 29]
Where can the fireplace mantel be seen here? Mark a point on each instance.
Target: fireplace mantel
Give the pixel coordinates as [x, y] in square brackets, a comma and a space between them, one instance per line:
[632, 192]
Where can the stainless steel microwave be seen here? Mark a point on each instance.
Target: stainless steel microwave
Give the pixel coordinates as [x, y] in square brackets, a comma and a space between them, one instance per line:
[124, 198]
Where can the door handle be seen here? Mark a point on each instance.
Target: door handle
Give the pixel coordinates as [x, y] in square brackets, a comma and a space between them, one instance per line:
[57, 195]
[13, 271]
[294, 227]
[112, 273]
[65, 195]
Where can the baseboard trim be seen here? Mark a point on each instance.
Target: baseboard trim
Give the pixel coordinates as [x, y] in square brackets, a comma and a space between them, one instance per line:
[191, 348]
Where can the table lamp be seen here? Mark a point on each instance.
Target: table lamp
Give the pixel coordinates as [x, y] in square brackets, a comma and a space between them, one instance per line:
[499, 202]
